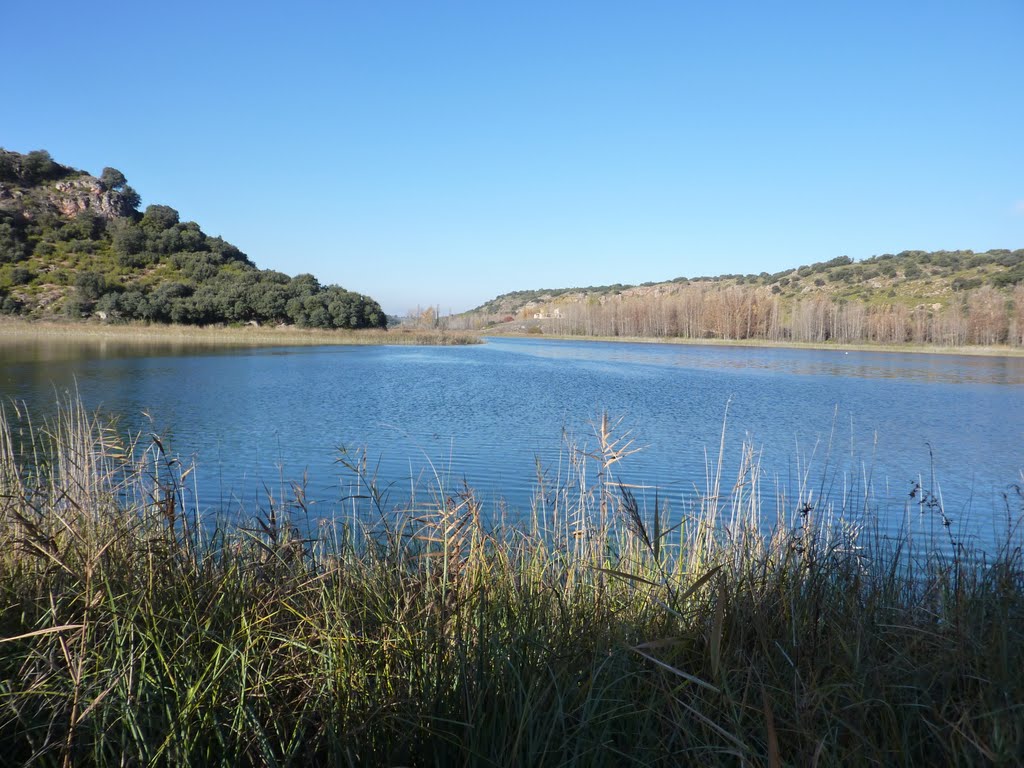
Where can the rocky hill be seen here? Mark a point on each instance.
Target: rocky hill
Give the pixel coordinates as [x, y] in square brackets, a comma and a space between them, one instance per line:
[76, 246]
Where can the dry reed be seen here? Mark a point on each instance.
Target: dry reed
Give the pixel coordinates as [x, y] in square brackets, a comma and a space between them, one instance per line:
[599, 632]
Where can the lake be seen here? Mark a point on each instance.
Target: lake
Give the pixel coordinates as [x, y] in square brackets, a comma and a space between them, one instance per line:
[498, 415]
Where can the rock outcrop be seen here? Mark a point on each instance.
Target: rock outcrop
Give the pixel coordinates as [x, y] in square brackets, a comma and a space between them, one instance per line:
[85, 193]
[34, 184]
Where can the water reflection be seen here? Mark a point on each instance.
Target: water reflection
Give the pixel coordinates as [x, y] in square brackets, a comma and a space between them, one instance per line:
[938, 368]
[259, 418]
[19, 349]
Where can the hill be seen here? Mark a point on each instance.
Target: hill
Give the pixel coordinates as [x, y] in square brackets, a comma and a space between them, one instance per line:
[942, 297]
[76, 246]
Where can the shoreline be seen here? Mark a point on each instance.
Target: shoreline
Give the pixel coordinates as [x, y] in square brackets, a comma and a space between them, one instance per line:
[924, 349]
[426, 635]
[19, 329]
[220, 335]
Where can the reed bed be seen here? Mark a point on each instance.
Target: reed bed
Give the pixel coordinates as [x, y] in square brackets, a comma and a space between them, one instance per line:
[601, 631]
[20, 330]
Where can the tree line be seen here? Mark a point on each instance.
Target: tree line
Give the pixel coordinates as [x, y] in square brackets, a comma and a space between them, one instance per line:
[984, 315]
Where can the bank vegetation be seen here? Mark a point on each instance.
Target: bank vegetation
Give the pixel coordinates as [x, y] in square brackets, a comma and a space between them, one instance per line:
[597, 631]
[18, 331]
[949, 299]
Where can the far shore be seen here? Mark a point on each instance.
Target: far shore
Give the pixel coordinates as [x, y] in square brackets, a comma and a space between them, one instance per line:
[20, 329]
[246, 335]
[925, 349]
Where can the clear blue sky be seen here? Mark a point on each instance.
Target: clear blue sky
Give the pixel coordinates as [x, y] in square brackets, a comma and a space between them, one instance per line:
[440, 153]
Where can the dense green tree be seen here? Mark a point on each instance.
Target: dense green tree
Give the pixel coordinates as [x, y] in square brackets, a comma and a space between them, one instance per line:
[157, 218]
[77, 306]
[91, 285]
[10, 305]
[269, 298]
[1012, 276]
[133, 305]
[138, 260]
[295, 310]
[317, 315]
[85, 225]
[127, 237]
[9, 166]
[112, 179]
[1006, 258]
[108, 303]
[199, 267]
[303, 285]
[31, 169]
[131, 197]
[161, 301]
[13, 246]
[226, 250]
[166, 241]
[179, 237]
[205, 306]
[37, 166]
[21, 276]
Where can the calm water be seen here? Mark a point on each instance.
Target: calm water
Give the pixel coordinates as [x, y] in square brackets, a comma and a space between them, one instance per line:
[256, 419]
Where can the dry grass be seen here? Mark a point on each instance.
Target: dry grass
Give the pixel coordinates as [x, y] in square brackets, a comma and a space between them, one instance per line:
[229, 335]
[596, 633]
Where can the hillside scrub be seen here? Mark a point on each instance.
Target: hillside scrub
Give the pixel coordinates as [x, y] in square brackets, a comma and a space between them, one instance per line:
[599, 632]
[76, 246]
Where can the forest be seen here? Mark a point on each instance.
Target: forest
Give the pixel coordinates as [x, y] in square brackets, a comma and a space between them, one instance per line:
[76, 246]
[948, 298]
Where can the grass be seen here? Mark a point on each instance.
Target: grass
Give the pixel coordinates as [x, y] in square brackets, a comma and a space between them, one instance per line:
[598, 632]
[15, 330]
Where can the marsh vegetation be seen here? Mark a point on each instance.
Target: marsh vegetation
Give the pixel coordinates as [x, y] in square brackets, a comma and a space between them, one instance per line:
[597, 630]
[40, 332]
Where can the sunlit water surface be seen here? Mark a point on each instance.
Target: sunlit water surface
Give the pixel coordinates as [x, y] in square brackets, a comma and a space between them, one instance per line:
[498, 415]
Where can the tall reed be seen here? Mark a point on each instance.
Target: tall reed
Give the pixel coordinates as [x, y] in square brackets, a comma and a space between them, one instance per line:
[21, 331]
[607, 629]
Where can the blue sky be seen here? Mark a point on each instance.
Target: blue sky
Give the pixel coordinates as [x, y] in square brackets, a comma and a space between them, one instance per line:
[441, 153]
